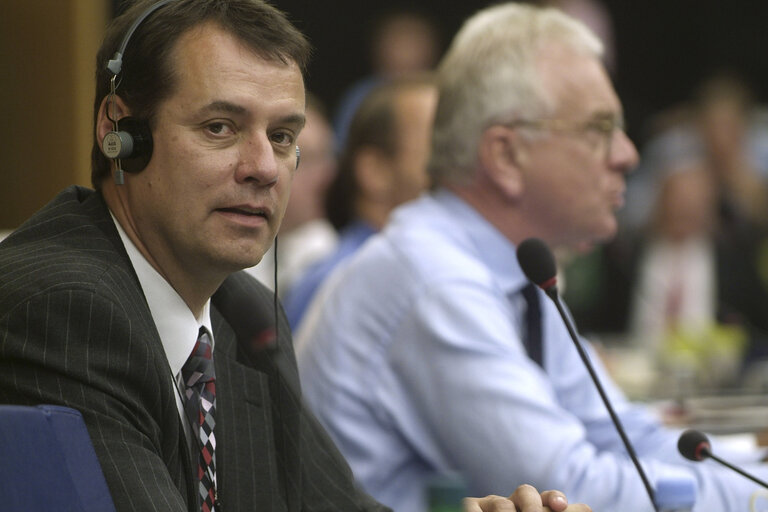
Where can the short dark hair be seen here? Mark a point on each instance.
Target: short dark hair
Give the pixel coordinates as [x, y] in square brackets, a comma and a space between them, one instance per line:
[374, 125]
[148, 76]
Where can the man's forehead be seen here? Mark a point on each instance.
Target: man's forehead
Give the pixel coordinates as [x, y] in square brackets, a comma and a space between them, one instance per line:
[577, 84]
[210, 35]
[215, 70]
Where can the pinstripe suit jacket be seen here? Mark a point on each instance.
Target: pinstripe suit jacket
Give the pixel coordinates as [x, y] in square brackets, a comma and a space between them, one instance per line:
[75, 330]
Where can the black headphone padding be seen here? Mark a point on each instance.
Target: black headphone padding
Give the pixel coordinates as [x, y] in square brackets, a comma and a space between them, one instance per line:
[132, 144]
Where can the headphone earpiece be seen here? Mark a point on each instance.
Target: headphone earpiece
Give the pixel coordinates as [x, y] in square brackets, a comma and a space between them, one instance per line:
[131, 143]
[298, 156]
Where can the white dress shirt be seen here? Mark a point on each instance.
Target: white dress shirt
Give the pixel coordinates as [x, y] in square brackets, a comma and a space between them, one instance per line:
[177, 326]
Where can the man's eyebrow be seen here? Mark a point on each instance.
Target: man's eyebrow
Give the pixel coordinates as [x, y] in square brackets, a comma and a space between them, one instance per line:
[233, 108]
[223, 106]
[607, 114]
[297, 119]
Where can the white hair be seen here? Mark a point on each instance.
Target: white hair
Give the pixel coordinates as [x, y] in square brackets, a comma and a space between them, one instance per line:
[489, 74]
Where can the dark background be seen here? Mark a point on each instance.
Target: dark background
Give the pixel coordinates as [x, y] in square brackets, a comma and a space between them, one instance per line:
[664, 48]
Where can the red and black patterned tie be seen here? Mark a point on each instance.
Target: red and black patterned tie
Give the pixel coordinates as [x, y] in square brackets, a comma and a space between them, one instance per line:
[200, 406]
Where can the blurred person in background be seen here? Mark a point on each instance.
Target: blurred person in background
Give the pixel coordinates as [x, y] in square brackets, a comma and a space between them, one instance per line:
[382, 166]
[429, 352]
[402, 42]
[697, 302]
[723, 119]
[677, 268]
[684, 290]
[711, 221]
[729, 132]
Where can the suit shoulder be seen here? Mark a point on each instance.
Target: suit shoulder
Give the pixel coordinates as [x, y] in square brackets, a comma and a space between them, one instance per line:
[71, 243]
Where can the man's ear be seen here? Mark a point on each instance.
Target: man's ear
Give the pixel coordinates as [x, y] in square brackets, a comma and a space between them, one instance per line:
[502, 154]
[373, 172]
[117, 110]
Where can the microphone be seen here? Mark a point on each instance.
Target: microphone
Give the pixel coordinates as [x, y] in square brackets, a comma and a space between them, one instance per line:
[255, 332]
[695, 446]
[538, 264]
[539, 267]
[258, 340]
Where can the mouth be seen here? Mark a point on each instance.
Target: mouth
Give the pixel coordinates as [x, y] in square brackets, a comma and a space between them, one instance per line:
[249, 216]
[617, 199]
[247, 211]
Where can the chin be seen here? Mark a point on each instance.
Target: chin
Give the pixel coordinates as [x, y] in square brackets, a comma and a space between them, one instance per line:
[233, 262]
[608, 228]
[604, 234]
[249, 260]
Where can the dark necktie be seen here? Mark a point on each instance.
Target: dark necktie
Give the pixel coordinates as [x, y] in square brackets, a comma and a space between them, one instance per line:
[200, 406]
[532, 339]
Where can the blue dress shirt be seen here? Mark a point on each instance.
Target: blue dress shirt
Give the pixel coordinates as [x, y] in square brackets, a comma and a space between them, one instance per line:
[299, 296]
[413, 361]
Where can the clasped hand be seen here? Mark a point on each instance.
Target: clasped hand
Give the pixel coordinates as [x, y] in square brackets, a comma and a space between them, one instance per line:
[525, 499]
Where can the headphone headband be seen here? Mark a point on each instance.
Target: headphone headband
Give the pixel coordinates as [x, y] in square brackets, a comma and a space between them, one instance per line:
[115, 65]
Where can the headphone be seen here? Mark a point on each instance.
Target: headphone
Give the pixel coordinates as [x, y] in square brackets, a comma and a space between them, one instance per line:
[131, 138]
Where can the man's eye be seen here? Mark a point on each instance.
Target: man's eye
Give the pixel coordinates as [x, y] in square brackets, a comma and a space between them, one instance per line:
[608, 126]
[282, 138]
[218, 128]
[603, 126]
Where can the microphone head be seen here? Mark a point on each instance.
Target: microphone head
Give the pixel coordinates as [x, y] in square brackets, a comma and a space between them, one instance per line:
[253, 325]
[537, 263]
[694, 445]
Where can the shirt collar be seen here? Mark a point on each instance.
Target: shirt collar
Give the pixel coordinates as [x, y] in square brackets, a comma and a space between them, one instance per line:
[358, 231]
[177, 326]
[493, 248]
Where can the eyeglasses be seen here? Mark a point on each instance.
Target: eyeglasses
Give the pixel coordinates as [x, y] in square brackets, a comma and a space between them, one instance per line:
[599, 133]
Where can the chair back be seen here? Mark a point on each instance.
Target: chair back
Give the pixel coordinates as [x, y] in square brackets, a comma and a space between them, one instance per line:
[47, 462]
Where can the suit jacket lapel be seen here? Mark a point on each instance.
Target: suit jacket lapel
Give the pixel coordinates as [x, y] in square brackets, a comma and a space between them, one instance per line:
[175, 447]
[250, 462]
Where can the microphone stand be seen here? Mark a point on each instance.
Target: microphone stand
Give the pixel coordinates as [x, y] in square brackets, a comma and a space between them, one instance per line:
[538, 265]
[551, 291]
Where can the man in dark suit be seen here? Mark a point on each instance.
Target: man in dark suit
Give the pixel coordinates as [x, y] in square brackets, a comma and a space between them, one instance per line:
[105, 293]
